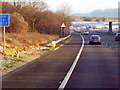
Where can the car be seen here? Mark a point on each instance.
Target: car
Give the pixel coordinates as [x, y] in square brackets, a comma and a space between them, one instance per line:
[117, 37]
[78, 31]
[86, 33]
[95, 39]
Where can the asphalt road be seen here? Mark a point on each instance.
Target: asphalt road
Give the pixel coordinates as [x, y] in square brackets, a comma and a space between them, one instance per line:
[45, 72]
[97, 67]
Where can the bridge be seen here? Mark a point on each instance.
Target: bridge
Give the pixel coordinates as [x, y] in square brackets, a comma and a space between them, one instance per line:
[99, 19]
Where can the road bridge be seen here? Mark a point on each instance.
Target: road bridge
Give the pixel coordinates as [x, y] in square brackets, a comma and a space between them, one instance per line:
[99, 19]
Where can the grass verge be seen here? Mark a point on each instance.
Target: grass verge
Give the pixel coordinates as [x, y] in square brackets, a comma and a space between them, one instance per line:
[10, 60]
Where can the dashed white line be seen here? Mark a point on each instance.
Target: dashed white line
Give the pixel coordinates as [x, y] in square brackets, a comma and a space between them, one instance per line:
[67, 77]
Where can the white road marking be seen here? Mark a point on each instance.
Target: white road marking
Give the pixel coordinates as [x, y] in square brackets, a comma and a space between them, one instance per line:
[67, 77]
[56, 48]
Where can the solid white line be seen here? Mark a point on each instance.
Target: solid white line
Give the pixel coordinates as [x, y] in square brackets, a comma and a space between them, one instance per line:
[64, 82]
[56, 48]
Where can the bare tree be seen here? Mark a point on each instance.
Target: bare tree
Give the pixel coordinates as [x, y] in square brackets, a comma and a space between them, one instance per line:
[38, 4]
[64, 8]
[17, 3]
[0, 7]
[63, 13]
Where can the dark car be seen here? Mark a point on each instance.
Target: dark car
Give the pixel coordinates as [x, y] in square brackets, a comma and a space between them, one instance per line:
[117, 37]
[95, 39]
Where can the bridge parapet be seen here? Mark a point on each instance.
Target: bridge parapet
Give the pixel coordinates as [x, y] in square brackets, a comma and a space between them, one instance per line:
[96, 19]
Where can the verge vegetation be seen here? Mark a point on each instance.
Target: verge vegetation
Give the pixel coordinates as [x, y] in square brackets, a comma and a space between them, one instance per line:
[31, 24]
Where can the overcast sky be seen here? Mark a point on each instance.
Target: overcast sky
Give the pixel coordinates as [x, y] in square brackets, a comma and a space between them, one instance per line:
[83, 6]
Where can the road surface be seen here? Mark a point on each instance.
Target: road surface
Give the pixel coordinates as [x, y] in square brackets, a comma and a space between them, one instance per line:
[97, 66]
[45, 72]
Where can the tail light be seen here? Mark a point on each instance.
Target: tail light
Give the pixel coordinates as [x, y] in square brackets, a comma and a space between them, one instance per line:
[91, 39]
[99, 39]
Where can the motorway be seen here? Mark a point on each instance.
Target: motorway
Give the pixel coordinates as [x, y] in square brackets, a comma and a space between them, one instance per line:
[97, 66]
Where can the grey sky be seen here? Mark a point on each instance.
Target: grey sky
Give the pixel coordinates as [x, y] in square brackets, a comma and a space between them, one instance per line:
[83, 6]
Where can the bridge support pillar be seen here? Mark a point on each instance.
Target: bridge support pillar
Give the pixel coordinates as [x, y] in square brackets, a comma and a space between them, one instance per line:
[110, 27]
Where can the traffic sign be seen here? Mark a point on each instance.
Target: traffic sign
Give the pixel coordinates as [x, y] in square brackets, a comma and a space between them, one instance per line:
[62, 25]
[4, 20]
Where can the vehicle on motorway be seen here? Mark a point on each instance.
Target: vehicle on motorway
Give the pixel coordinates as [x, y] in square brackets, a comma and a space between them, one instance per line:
[95, 39]
[78, 31]
[86, 33]
[117, 37]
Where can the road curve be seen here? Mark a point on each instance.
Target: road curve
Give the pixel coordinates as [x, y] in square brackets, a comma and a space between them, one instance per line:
[97, 67]
[45, 72]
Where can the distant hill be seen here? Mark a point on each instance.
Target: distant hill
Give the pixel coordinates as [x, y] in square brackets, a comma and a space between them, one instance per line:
[112, 12]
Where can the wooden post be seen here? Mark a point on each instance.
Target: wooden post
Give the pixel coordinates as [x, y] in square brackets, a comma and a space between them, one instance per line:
[18, 49]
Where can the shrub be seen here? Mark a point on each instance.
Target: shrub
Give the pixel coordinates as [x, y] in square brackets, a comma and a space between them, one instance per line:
[17, 24]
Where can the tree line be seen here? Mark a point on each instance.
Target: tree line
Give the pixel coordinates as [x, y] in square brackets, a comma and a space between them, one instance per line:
[35, 17]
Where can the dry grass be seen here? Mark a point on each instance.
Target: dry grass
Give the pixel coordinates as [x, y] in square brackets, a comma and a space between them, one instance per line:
[28, 40]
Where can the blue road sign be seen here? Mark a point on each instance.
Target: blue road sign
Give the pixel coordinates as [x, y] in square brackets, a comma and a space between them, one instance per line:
[4, 20]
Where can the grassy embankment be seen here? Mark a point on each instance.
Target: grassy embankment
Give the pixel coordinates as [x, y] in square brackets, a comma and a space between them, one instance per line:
[28, 45]
[29, 28]
[21, 46]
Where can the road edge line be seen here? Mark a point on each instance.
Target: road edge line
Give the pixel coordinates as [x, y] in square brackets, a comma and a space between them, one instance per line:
[64, 82]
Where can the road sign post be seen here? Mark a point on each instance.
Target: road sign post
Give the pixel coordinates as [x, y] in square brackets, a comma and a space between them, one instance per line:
[61, 33]
[4, 40]
[4, 22]
[62, 29]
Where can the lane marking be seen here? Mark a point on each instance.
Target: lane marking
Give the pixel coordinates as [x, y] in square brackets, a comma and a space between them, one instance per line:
[56, 48]
[67, 77]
